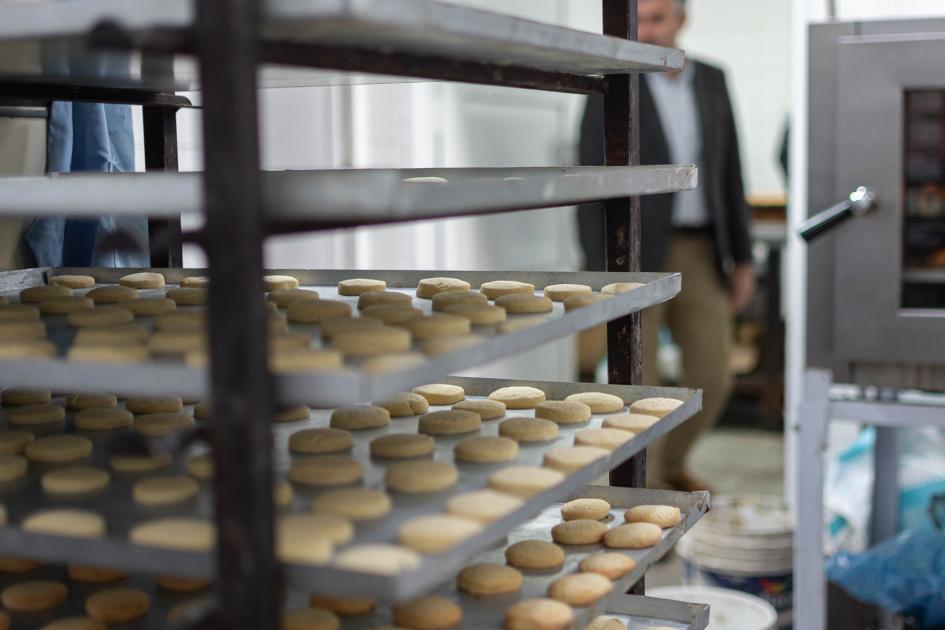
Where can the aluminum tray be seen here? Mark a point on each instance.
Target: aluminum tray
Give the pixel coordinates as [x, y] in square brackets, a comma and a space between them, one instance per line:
[115, 504]
[488, 612]
[350, 385]
[641, 612]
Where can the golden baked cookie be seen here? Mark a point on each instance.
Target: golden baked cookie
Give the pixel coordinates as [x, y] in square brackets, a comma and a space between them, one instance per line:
[142, 280]
[599, 402]
[176, 342]
[180, 584]
[305, 360]
[309, 619]
[332, 327]
[321, 440]
[571, 458]
[428, 288]
[620, 287]
[125, 353]
[138, 463]
[65, 522]
[325, 471]
[487, 409]
[658, 407]
[418, 477]
[12, 467]
[148, 307]
[499, 288]
[28, 415]
[108, 335]
[22, 331]
[74, 480]
[393, 361]
[39, 293]
[310, 538]
[486, 449]
[356, 504]
[528, 429]
[100, 316]
[478, 314]
[449, 422]
[441, 393]
[72, 281]
[611, 564]
[93, 575]
[20, 396]
[435, 533]
[276, 282]
[282, 493]
[118, 605]
[58, 449]
[74, 623]
[451, 298]
[438, 325]
[579, 589]
[538, 614]
[359, 418]
[563, 411]
[33, 596]
[482, 505]
[164, 490]
[607, 623]
[594, 509]
[317, 311]
[633, 422]
[377, 298]
[18, 313]
[344, 606]
[488, 579]
[518, 397]
[428, 612]
[10, 564]
[633, 536]
[201, 466]
[404, 405]
[357, 286]
[610, 439]
[391, 313]
[155, 404]
[402, 446]
[13, 442]
[296, 413]
[27, 349]
[379, 558]
[582, 531]
[524, 481]
[112, 294]
[195, 281]
[81, 402]
[184, 533]
[441, 345]
[517, 304]
[187, 296]
[561, 292]
[580, 301]
[283, 297]
[372, 342]
[161, 424]
[662, 515]
[190, 320]
[103, 419]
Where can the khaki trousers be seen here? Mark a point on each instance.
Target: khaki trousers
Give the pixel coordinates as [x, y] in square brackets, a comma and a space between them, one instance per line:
[700, 319]
[22, 152]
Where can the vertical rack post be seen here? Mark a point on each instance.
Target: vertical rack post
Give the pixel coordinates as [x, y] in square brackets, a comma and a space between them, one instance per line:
[250, 583]
[160, 154]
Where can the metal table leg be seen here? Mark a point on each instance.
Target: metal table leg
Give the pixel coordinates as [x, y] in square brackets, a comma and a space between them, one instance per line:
[884, 518]
[160, 154]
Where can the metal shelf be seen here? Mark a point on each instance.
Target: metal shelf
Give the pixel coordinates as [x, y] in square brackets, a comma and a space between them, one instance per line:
[121, 513]
[643, 612]
[349, 385]
[338, 198]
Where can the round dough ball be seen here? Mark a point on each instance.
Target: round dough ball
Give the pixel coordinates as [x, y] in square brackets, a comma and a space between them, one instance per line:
[65, 522]
[488, 579]
[518, 397]
[184, 533]
[13, 442]
[309, 619]
[74, 480]
[563, 411]
[393, 314]
[377, 298]
[37, 294]
[187, 296]
[658, 407]
[500, 288]
[582, 531]
[524, 481]
[378, 558]
[339, 325]
[483, 505]
[587, 299]
[441, 393]
[610, 439]
[142, 280]
[72, 281]
[357, 286]
[633, 536]
[322, 440]
[449, 422]
[417, 477]
[611, 564]
[599, 402]
[118, 605]
[632, 422]
[359, 418]
[620, 287]
[155, 404]
[487, 409]
[569, 459]
[274, 283]
[518, 304]
[58, 449]
[356, 504]
[593, 509]
[404, 405]
[486, 449]
[365, 343]
[149, 307]
[439, 325]
[33, 596]
[317, 311]
[103, 419]
[80, 402]
[452, 298]
[662, 515]
[579, 589]
[402, 446]
[74, 623]
[20, 396]
[201, 282]
[325, 471]
[436, 533]
[429, 612]
[112, 294]
[428, 288]
[12, 467]
[164, 490]
[283, 297]
[478, 314]
[161, 424]
[528, 429]
[561, 292]
[29, 415]
[345, 606]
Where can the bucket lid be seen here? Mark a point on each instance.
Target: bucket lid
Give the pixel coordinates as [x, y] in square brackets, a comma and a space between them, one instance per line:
[728, 609]
[748, 515]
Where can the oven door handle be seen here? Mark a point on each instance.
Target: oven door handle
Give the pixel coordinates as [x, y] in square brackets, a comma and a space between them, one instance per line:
[861, 201]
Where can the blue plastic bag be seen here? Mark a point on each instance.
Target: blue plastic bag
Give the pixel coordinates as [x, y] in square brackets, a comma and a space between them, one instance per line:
[905, 575]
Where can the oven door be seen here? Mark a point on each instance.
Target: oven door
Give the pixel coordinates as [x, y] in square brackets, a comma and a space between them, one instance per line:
[890, 264]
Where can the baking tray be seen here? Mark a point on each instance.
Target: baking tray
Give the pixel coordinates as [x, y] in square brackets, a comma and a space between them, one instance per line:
[115, 503]
[488, 612]
[640, 612]
[349, 385]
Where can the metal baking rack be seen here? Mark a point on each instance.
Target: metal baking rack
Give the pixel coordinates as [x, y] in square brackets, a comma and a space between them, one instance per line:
[121, 513]
[640, 613]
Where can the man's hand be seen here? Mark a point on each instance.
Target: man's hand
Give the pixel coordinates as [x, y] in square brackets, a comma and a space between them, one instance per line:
[741, 286]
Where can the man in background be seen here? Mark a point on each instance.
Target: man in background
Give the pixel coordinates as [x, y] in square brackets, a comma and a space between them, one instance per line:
[685, 118]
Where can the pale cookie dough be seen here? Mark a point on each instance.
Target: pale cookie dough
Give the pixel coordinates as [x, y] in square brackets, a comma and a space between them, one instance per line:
[13, 442]
[58, 449]
[401, 446]
[563, 411]
[184, 533]
[118, 605]
[138, 463]
[610, 439]
[74, 480]
[620, 287]
[449, 422]
[486, 449]
[80, 402]
[382, 340]
[452, 298]
[161, 424]
[109, 335]
[32, 349]
[561, 292]
[309, 619]
[283, 297]
[344, 606]
[74, 281]
[164, 490]
[579, 589]
[569, 459]
[12, 467]
[142, 280]
[488, 579]
[528, 429]
[378, 298]
[538, 614]
[436, 533]
[483, 505]
[518, 397]
[112, 294]
[377, 558]
[155, 404]
[359, 418]
[33, 596]
[428, 288]
[292, 414]
[633, 536]
[357, 286]
[339, 325]
[439, 325]
[499, 288]
[441, 393]
[37, 294]
[20, 396]
[404, 405]
[325, 471]
[608, 623]
[633, 422]
[187, 296]
[661, 515]
[18, 313]
[422, 476]
[274, 283]
[657, 407]
[429, 612]
[356, 504]
[611, 564]
[580, 301]
[393, 314]
[74, 623]
[305, 360]
[65, 522]
[388, 362]
[95, 353]
[582, 531]
[487, 409]
[101, 316]
[599, 402]
[441, 345]
[594, 509]
[201, 282]
[517, 304]
[322, 440]
[65, 305]
[103, 419]
[317, 311]
[478, 314]
[524, 481]
[200, 466]
[192, 321]
[310, 538]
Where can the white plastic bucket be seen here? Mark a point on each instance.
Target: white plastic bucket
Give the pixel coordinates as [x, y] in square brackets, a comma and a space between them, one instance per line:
[728, 610]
